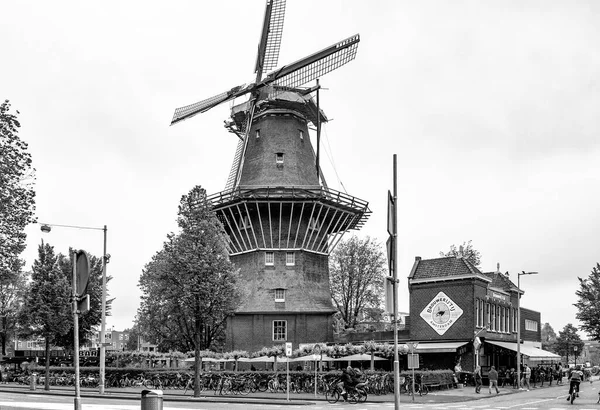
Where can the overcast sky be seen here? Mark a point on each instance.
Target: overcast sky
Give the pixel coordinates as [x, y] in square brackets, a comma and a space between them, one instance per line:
[491, 106]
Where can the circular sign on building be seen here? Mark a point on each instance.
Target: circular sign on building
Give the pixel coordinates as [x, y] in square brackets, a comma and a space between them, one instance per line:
[441, 313]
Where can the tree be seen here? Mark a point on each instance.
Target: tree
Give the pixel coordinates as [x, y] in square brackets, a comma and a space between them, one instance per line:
[17, 205]
[12, 285]
[357, 270]
[135, 337]
[566, 341]
[189, 286]
[548, 337]
[466, 251]
[46, 311]
[588, 304]
[17, 197]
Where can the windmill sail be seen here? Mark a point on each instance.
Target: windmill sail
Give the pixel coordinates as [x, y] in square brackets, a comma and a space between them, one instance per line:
[270, 40]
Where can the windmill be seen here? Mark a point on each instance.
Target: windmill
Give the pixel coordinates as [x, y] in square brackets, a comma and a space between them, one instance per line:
[285, 79]
[281, 219]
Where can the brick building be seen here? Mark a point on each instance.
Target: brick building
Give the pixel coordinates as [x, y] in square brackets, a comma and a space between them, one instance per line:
[458, 313]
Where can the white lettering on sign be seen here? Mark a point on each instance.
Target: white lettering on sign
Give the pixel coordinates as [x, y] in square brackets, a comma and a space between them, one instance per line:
[498, 296]
[441, 313]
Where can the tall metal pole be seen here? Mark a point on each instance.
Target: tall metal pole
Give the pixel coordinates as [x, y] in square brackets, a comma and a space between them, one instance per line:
[318, 131]
[103, 320]
[395, 294]
[77, 400]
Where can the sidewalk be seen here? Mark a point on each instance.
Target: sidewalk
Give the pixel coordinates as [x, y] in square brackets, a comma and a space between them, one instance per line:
[436, 396]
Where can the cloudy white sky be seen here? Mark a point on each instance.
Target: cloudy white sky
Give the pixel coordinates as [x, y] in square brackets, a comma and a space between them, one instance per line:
[491, 106]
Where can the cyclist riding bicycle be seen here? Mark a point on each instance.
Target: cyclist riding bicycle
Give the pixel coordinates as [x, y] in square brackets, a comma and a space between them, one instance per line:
[575, 377]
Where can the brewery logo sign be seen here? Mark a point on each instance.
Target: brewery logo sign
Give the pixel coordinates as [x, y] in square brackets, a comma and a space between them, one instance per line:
[441, 313]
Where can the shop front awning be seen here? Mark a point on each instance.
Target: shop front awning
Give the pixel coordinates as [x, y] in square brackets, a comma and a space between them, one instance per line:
[532, 352]
[443, 347]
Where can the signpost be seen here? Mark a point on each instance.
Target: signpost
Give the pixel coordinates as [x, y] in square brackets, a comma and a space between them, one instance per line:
[413, 346]
[392, 250]
[316, 354]
[288, 353]
[81, 275]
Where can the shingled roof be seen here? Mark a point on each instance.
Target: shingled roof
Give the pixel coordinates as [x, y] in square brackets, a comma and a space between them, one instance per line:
[501, 281]
[450, 267]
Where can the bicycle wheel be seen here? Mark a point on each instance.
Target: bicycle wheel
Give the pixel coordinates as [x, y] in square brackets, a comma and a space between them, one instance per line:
[262, 385]
[424, 390]
[332, 396]
[362, 396]
[247, 387]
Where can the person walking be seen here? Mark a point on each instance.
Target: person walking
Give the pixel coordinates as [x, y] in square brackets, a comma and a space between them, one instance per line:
[478, 381]
[493, 376]
[527, 377]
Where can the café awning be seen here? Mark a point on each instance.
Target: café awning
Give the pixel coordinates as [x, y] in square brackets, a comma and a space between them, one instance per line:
[527, 350]
[444, 347]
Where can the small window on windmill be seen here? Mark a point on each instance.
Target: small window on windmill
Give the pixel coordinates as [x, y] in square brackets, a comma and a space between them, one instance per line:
[244, 222]
[290, 259]
[301, 135]
[257, 134]
[279, 158]
[314, 223]
[269, 259]
[279, 295]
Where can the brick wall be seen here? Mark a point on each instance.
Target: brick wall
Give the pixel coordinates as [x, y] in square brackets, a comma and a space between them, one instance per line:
[527, 314]
[252, 332]
[462, 294]
[279, 133]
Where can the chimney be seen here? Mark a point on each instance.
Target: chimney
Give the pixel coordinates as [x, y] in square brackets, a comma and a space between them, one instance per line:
[498, 267]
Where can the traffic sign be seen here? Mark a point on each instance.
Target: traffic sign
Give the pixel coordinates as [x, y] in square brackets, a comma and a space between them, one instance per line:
[413, 361]
[288, 349]
[82, 265]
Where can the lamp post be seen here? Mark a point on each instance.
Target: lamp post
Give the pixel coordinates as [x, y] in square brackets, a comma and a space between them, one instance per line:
[105, 258]
[519, 323]
[575, 354]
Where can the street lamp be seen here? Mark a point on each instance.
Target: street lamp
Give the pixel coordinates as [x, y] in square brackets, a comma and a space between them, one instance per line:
[46, 228]
[519, 323]
[575, 354]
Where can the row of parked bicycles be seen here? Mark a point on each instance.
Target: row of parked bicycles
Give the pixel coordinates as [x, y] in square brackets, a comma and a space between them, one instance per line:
[231, 383]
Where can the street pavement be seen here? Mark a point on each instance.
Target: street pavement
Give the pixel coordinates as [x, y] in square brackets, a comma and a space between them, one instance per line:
[446, 399]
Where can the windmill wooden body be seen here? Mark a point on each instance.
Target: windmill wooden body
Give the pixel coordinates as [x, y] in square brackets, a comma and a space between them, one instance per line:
[281, 218]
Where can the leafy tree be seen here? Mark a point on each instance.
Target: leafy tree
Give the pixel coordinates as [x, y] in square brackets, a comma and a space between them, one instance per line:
[135, 337]
[12, 285]
[588, 304]
[92, 319]
[46, 311]
[189, 287]
[357, 270]
[548, 337]
[466, 251]
[17, 206]
[566, 340]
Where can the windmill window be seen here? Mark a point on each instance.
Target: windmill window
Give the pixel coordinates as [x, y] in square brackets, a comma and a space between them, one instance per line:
[269, 259]
[257, 134]
[290, 259]
[314, 223]
[244, 222]
[279, 157]
[279, 295]
[279, 330]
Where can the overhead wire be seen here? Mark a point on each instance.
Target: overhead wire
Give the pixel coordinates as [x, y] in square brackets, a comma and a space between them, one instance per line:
[329, 153]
